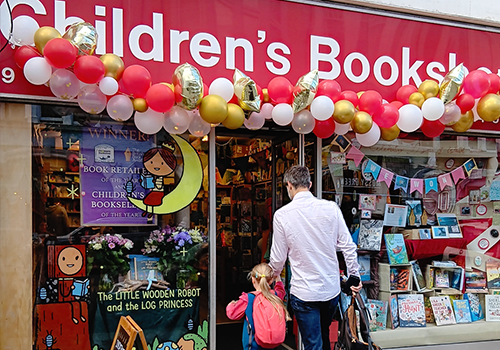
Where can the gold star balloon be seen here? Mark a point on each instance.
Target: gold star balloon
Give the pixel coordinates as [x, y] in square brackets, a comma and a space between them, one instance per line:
[450, 86]
[245, 90]
[305, 90]
[188, 86]
[84, 36]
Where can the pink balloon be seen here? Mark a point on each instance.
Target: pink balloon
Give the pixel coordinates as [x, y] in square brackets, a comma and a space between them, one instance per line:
[477, 83]
[404, 92]
[389, 116]
[370, 102]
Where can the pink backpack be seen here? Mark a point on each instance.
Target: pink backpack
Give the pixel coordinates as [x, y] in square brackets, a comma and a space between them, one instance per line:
[269, 327]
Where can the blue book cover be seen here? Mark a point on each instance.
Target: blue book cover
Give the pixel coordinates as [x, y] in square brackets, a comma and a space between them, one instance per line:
[476, 310]
[143, 267]
[396, 249]
[364, 267]
[462, 311]
[378, 314]
[393, 307]
[81, 287]
[411, 310]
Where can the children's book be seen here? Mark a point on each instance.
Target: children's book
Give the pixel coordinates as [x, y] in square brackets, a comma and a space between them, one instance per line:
[443, 312]
[462, 311]
[411, 310]
[429, 315]
[141, 267]
[475, 282]
[456, 278]
[378, 314]
[370, 234]
[441, 279]
[393, 309]
[418, 277]
[399, 278]
[396, 249]
[364, 267]
[493, 273]
[476, 310]
[492, 303]
[425, 233]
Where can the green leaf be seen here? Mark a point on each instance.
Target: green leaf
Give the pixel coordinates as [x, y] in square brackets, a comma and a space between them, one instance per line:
[156, 343]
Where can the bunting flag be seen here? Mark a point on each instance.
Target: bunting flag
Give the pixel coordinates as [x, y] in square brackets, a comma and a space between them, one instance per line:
[431, 184]
[417, 185]
[401, 182]
[445, 180]
[458, 174]
[372, 167]
[385, 176]
[355, 154]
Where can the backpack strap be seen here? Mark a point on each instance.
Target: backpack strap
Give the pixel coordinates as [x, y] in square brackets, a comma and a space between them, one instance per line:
[249, 319]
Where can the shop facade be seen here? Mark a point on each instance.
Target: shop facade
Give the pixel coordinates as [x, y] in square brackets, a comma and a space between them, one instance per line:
[96, 258]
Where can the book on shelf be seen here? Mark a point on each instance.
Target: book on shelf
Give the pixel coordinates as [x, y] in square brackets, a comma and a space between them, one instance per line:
[442, 279]
[462, 311]
[431, 274]
[396, 249]
[378, 314]
[399, 278]
[492, 305]
[442, 310]
[429, 315]
[493, 273]
[370, 234]
[418, 277]
[438, 263]
[364, 267]
[393, 311]
[475, 282]
[476, 310]
[144, 267]
[411, 310]
[457, 277]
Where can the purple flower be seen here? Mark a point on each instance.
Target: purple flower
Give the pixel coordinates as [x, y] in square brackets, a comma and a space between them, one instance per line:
[111, 245]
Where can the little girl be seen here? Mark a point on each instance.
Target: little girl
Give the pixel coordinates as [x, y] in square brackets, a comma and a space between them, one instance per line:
[261, 277]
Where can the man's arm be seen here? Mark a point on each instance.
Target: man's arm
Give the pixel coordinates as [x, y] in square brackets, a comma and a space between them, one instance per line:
[346, 244]
[279, 248]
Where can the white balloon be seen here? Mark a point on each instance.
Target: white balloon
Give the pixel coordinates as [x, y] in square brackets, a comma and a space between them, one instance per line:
[198, 127]
[370, 138]
[64, 84]
[342, 129]
[149, 122]
[322, 107]
[177, 120]
[91, 99]
[23, 30]
[433, 108]
[37, 71]
[255, 121]
[303, 122]
[108, 86]
[410, 118]
[120, 108]
[282, 114]
[267, 110]
[222, 87]
[451, 114]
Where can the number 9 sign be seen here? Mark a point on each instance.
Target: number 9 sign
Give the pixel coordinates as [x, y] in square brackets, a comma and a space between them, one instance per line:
[8, 75]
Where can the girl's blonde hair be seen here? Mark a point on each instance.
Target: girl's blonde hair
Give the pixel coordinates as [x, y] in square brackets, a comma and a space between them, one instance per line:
[264, 276]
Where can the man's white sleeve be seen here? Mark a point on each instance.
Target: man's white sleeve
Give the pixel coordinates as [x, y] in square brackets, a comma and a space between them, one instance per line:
[279, 248]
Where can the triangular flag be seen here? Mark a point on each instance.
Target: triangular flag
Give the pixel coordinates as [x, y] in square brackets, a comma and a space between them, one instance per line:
[431, 184]
[385, 176]
[401, 182]
[445, 180]
[373, 168]
[417, 185]
[458, 174]
[355, 154]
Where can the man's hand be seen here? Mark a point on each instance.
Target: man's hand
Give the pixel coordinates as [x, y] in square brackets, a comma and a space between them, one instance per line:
[356, 289]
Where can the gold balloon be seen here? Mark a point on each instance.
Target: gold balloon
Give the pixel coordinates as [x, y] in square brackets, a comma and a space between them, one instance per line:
[389, 134]
[84, 36]
[361, 123]
[451, 84]
[488, 107]
[235, 117]
[416, 99]
[305, 90]
[113, 64]
[360, 93]
[343, 112]
[140, 104]
[265, 95]
[464, 123]
[43, 35]
[245, 90]
[429, 88]
[188, 83]
[213, 109]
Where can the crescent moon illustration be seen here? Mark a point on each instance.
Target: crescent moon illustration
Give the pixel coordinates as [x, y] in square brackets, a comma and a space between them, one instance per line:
[188, 187]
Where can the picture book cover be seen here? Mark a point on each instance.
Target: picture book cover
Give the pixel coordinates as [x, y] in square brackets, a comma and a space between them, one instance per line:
[411, 310]
[370, 234]
[492, 303]
[378, 314]
[396, 249]
[442, 279]
[456, 278]
[443, 312]
[429, 315]
[418, 276]
[424, 233]
[462, 311]
[450, 221]
[393, 309]
[399, 278]
[476, 310]
[141, 267]
[493, 273]
[475, 282]
[364, 267]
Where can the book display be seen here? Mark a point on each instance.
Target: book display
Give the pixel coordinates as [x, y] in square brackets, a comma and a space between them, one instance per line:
[411, 310]
[442, 310]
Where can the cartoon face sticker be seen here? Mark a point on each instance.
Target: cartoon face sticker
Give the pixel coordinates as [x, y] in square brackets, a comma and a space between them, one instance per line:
[70, 261]
[158, 166]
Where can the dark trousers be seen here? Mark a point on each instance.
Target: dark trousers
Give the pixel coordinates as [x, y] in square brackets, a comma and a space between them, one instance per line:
[314, 319]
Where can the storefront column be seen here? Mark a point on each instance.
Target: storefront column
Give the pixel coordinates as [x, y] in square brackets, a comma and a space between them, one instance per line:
[318, 174]
[16, 306]
[212, 236]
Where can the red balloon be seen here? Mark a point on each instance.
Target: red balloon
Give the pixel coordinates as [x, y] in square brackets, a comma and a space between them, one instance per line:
[389, 116]
[24, 53]
[432, 128]
[88, 69]
[60, 53]
[329, 88]
[122, 88]
[137, 80]
[465, 102]
[234, 100]
[350, 96]
[476, 83]
[280, 90]
[261, 94]
[404, 92]
[205, 92]
[370, 102]
[324, 128]
[397, 104]
[160, 98]
[494, 83]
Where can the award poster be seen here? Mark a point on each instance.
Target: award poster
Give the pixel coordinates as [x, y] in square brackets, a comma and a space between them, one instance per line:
[111, 164]
[395, 215]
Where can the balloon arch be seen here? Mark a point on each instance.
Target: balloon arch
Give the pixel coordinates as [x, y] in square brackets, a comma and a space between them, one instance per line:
[188, 104]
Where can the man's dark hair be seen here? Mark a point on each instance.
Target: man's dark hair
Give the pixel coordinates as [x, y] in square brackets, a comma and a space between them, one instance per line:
[298, 176]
